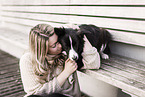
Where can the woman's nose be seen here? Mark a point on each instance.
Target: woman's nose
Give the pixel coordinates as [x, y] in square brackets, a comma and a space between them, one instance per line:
[59, 45]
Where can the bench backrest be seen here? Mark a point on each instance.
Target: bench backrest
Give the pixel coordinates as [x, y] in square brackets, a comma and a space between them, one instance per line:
[124, 19]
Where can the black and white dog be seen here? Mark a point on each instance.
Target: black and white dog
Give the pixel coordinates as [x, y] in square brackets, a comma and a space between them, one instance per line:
[73, 43]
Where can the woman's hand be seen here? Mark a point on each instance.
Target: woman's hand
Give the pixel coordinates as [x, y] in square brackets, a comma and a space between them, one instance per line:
[70, 66]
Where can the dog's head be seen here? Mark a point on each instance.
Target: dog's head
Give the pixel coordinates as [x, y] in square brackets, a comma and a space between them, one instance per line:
[72, 42]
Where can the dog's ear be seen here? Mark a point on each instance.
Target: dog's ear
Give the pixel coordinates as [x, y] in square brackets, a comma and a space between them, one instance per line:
[83, 31]
[80, 33]
[59, 31]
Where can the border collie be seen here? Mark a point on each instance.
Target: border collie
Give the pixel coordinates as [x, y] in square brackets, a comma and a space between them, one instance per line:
[72, 41]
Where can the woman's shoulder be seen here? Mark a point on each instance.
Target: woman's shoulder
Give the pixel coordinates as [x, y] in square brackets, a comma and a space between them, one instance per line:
[26, 56]
[25, 59]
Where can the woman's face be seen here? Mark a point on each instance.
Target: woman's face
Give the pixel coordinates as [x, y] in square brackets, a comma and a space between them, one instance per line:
[54, 46]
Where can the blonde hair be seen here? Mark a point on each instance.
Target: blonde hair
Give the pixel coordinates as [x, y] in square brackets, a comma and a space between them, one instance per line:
[38, 43]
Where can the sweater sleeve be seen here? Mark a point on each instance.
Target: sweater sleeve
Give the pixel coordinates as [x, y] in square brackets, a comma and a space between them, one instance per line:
[91, 59]
[30, 83]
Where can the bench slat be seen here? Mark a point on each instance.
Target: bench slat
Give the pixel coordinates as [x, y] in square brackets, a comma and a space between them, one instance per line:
[13, 2]
[12, 91]
[129, 62]
[11, 88]
[10, 80]
[9, 74]
[119, 2]
[123, 73]
[130, 24]
[5, 80]
[95, 10]
[126, 68]
[7, 85]
[17, 94]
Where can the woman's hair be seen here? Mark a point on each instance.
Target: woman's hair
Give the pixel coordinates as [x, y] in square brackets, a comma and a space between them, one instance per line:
[39, 43]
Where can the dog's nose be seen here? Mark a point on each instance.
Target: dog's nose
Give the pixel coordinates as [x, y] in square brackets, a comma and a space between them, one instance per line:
[74, 58]
[73, 54]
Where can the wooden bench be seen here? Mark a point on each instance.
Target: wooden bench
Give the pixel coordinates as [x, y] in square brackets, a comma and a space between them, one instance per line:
[126, 67]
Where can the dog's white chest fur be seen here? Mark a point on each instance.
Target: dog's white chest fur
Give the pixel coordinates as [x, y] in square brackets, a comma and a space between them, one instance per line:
[72, 53]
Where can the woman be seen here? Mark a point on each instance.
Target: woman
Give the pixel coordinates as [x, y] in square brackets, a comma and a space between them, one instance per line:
[46, 70]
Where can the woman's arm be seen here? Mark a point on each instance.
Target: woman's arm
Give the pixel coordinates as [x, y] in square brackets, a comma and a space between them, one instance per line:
[70, 67]
[30, 81]
[91, 57]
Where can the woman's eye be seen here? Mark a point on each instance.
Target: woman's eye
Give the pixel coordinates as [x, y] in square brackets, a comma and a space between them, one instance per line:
[54, 46]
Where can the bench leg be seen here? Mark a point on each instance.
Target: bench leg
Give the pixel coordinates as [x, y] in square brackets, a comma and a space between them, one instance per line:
[132, 95]
[96, 88]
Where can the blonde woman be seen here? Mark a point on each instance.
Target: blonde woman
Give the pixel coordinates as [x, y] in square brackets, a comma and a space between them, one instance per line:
[45, 70]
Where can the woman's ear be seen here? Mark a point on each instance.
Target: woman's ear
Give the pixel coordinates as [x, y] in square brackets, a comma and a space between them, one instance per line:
[59, 31]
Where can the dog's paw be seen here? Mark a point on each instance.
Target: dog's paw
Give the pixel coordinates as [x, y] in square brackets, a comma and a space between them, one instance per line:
[104, 56]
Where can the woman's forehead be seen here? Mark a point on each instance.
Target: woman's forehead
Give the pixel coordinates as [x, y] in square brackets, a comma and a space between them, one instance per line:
[53, 39]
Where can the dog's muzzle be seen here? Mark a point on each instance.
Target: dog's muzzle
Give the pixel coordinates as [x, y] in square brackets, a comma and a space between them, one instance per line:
[73, 55]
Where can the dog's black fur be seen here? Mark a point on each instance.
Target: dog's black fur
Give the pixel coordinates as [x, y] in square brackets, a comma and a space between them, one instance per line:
[78, 42]
[97, 37]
